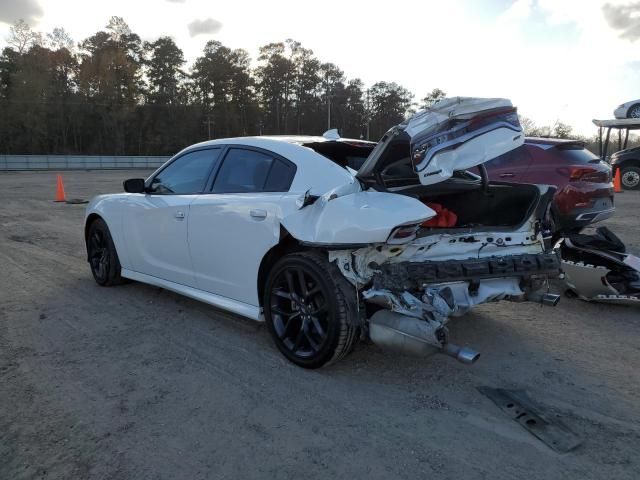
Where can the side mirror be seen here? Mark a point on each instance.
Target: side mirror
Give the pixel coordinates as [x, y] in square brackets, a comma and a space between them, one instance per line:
[134, 185]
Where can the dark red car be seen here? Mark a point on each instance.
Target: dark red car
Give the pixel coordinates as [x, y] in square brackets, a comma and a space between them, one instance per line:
[585, 189]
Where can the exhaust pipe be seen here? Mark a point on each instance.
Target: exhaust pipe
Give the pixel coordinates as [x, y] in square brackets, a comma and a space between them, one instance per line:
[462, 354]
[414, 336]
[548, 299]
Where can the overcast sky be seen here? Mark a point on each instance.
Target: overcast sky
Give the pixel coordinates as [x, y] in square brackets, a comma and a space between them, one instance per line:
[571, 60]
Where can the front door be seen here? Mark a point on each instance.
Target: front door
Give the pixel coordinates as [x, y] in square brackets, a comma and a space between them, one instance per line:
[155, 223]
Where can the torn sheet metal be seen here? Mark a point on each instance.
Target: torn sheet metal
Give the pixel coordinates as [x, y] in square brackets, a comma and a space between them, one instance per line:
[587, 281]
[453, 134]
[437, 304]
[598, 268]
[489, 290]
[517, 405]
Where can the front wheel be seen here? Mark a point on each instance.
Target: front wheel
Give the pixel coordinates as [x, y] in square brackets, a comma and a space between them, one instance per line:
[103, 258]
[310, 310]
[630, 178]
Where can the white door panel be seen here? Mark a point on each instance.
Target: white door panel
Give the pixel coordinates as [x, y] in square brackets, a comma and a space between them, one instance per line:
[155, 227]
[229, 234]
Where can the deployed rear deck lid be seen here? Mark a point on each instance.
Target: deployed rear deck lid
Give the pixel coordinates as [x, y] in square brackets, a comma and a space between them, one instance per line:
[455, 134]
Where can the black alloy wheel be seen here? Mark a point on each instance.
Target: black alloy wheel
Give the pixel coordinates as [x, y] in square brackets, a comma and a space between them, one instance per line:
[310, 310]
[102, 255]
[300, 312]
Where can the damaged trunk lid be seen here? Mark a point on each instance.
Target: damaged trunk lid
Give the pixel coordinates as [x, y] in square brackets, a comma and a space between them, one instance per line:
[453, 135]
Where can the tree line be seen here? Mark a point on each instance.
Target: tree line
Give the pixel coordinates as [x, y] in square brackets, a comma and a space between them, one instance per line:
[113, 93]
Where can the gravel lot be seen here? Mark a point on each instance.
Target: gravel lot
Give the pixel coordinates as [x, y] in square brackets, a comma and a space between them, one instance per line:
[134, 382]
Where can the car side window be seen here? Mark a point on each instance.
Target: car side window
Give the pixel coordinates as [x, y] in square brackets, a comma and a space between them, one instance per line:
[517, 157]
[187, 174]
[280, 176]
[245, 170]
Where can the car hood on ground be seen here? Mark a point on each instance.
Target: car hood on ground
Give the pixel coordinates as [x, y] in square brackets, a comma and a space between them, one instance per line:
[455, 134]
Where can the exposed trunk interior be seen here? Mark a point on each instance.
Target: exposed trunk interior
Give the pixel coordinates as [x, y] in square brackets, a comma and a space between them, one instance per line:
[499, 205]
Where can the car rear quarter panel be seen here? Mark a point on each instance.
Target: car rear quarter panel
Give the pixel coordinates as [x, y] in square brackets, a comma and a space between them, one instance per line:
[357, 218]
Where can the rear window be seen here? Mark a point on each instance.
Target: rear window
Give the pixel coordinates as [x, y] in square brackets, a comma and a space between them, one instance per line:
[576, 155]
[345, 154]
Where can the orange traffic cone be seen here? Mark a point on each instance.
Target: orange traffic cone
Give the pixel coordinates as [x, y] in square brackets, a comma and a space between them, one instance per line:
[60, 196]
[617, 184]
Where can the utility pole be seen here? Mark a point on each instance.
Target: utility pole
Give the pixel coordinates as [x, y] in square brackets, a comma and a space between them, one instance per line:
[368, 114]
[328, 105]
[208, 123]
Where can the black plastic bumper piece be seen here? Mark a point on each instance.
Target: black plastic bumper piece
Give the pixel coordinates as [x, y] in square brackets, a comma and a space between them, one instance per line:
[417, 275]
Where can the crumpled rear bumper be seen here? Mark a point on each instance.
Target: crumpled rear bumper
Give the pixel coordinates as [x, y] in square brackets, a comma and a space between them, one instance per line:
[418, 275]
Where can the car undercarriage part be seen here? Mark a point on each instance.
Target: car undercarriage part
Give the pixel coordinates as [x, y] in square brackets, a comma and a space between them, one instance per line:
[597, 268]
[523, 410]
[415, 336]
[545, 298]
[419, 297]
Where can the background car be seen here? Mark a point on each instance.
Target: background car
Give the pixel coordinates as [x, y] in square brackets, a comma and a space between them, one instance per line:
[584, 188]
[628, 161]
[629, 109]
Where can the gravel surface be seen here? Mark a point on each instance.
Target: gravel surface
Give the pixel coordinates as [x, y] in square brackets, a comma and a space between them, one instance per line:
[134, 382]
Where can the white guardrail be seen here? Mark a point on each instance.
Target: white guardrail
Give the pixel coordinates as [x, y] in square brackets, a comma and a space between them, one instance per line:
[78, 162]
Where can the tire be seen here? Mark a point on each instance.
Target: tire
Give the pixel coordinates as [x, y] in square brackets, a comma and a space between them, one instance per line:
[634, 111]
[310, 310]
[102, 255]
[630, 178]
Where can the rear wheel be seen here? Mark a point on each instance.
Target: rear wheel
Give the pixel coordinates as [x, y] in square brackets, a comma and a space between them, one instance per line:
[310, 310]
[103, 258]
[630, 178]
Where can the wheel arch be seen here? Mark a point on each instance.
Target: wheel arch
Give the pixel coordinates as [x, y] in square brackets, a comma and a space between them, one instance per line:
[92, 217]
[629, 162]
[286, 244]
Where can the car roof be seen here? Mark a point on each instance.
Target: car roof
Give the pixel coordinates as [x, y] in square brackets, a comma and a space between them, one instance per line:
[315, 171]
[546, 143]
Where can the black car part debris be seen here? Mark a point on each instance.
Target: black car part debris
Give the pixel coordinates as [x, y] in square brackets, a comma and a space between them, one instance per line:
[523, 410]
[416, 275]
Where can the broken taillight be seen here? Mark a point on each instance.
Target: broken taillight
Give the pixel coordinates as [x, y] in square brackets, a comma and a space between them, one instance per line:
[403, 233]
[585, 174]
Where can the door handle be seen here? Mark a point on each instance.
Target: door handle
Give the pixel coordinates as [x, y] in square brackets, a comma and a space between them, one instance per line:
[258, 213]
[507, 175]
[179, 215]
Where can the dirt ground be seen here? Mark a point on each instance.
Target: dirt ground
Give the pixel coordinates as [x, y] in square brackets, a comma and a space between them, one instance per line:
[134, 382]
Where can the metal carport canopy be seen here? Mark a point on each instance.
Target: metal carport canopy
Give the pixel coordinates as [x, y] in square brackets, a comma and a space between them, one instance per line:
[623, 123]
[619, 124]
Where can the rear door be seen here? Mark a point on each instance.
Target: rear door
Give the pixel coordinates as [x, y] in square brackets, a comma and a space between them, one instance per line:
[511, 166]
[155, 223]
[233, 226]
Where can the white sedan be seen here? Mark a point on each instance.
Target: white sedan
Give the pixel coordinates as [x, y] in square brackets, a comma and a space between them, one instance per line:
[629, 109]
[331, 240]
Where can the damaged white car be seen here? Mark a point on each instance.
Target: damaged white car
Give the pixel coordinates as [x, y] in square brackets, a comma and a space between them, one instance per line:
[331, 240]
